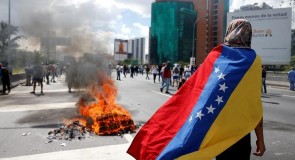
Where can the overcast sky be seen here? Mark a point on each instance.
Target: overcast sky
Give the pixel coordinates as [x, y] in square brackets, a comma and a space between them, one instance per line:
[91, 24]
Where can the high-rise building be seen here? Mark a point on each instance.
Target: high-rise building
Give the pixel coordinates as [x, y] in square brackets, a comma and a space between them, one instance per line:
[136, 50]
[48, 45]
[168, 21]
[210, 26]
[171, 31]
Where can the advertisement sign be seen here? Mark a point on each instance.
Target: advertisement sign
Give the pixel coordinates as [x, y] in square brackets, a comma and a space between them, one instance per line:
[271, 33]
[120, 48]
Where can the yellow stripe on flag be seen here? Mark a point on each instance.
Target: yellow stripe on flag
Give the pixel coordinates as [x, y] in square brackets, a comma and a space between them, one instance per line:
[240, 116]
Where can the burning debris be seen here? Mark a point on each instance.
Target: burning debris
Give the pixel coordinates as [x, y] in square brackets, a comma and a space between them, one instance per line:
[104, 116]
[100, 115]
[69, 132]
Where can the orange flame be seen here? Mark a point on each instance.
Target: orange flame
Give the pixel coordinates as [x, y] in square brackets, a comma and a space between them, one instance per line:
[104, 116]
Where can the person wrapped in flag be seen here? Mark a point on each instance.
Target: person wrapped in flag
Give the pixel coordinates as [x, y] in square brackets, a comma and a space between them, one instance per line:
[222, 106]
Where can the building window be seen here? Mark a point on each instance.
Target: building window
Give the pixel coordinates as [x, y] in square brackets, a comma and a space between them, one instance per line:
[214, 39]
[215, 23]
[215, 28]
[215, 12]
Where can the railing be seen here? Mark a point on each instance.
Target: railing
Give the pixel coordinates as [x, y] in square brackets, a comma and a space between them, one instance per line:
[15, 79]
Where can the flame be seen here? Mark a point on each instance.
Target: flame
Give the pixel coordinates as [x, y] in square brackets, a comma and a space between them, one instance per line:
[104, 116]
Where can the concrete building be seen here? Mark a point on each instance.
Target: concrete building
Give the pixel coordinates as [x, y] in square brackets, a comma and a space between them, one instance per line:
[254, 6]
[211, 26]
[48, 44]
[136, 50]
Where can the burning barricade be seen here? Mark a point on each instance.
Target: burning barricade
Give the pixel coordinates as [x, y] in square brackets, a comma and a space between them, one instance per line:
[104, 116]
[100, 115]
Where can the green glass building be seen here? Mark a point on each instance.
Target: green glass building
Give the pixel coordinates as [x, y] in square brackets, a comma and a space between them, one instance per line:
[171, 32]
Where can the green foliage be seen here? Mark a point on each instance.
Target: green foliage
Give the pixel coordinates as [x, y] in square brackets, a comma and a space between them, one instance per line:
[4, 36]
[183, 63]
[7, 31]
[292, 63]
[129, 61]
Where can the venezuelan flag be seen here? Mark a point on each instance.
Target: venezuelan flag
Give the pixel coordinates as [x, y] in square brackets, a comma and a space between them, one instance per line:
[216, 107]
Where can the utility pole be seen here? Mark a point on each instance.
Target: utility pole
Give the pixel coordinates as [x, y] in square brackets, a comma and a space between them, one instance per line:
[8, 32]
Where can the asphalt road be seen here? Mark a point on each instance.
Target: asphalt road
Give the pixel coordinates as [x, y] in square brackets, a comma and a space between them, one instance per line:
[22, 112]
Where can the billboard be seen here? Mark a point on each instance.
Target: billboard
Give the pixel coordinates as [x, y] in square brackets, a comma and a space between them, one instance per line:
[120, 49]
[271, 33]
[121, 46]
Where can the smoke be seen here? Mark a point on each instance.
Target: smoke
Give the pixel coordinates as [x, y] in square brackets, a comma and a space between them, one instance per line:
[86, 24]
[91, 25]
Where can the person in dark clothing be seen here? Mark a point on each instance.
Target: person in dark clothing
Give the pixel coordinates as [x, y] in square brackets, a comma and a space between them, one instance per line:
[147, 70]
[38, 72]
[71, 76]
[160, 73]
[5, 79]
[263, 79]
[125, 70]
[181, 71]
[181, 83]
[132, 71]
[166, 77]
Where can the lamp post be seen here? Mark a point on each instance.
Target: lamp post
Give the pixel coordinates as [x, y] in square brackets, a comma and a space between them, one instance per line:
[189, 12]
[8, 31]
[193, 59]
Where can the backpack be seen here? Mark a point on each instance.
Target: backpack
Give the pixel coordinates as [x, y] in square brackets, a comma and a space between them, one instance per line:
[176, 70]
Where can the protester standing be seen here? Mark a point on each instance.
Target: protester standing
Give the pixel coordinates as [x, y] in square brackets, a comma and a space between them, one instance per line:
[118, 70]
[181, 71]
[147, 70]
[38, 72]
[291, 78]
[132, 69]
[155, 72]
[125, 70]
[5, 79]
[187, 72]
[71, 76]
[175, 76]
[28, 71]
[222, 107]
[239, 35]
[166, 77]
[160, 66]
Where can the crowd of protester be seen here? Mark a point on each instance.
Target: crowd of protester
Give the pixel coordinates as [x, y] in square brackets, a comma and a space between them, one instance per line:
[173, 75]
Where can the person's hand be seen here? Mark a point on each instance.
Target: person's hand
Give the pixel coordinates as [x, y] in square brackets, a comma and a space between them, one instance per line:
[260, 148]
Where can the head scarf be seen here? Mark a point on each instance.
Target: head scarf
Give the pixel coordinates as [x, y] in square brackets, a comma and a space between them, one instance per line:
[239, 34]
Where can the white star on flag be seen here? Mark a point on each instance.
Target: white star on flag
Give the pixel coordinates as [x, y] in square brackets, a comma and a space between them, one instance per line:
[199, 115]
[219, 99]
[210, 109]
[223, 87]
[216, 70]
[221, 76]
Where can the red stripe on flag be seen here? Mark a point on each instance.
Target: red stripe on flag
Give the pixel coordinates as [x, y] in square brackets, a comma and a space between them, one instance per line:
[161, 128]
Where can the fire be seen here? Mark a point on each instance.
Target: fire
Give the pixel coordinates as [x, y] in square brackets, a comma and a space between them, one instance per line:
[103, 115]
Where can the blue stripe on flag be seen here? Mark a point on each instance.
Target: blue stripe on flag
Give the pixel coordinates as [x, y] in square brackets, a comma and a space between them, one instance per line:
[229, 69]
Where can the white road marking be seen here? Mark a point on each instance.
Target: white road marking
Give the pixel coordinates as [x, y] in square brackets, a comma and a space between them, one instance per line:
[288, 96]
[111, 152]
[37, 107]
[168, 95]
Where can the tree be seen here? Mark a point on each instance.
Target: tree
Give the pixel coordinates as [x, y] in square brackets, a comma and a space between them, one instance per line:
[4, 38]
